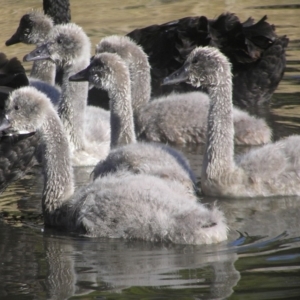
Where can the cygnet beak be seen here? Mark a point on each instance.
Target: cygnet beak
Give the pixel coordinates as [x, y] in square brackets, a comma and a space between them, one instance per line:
[180, 75]
[80, 76]
[39, 53]
[4, 123]
[15, 39]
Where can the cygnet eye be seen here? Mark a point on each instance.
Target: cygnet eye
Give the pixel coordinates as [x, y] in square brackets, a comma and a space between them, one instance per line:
[195, 60]
[16, 107]
[59, 41]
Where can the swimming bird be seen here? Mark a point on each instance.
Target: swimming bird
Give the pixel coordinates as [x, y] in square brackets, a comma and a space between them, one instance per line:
[176, 118]
[255, 51]
[122, 205]
[87, 127]
[33, 30]
[109, 71]
[257, 54]
[17, 153]
[270, 170]
[13, 75]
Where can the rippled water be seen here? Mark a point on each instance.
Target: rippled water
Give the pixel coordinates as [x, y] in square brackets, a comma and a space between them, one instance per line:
[260, 260]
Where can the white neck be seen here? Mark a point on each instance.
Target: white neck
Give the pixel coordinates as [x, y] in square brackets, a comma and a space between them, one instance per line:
[44, 70]
[121, 115]
[58, 186]
[73, 104]
[140, 83]
[219, 153]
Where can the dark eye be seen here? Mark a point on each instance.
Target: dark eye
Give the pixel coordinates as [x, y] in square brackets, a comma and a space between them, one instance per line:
[195, 60]
[59, 41]
[16, 107]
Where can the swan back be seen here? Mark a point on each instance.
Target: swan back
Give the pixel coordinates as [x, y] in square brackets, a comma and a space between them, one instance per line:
[12, 72]
[59, 11]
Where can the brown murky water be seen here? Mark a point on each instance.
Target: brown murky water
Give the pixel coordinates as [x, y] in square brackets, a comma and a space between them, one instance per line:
[261, 258]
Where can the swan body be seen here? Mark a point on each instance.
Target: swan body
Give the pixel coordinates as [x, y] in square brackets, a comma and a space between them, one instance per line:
[59, 11]
[109, 71]
[255, 51]
[270, 170]
[257, 54]
[17, 153]
[33, 29]
[51, 91]
[69, 47]
[176, 118]
[13, 75]
[122, 205]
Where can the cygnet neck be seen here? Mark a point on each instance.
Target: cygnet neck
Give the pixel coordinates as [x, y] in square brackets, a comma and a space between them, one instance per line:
[72, 104]
[58, 184]
[44, 70]
[219, 153]
[140, 76]
[121, 113]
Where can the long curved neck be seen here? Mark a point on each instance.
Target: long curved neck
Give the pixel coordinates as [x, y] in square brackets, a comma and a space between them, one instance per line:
[44, 70]
[139, 70]
[73, 104]
[219, 153]
[140, 82]
[58, 186]
[121, 114]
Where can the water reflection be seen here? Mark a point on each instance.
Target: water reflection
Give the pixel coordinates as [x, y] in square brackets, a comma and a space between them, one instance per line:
[70, 266]
[263, 240]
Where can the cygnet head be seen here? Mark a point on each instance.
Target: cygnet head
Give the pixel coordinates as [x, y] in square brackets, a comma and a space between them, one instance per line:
[106, 71]
[205, 66]
[122, 45]
[65, 44]
[33, 29]
[25, 110]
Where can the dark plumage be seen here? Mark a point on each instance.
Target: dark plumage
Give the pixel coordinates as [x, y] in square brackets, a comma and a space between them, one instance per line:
[270, 170]
[16, 157]
[257, 54]
[16, 152]
[58, 10]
